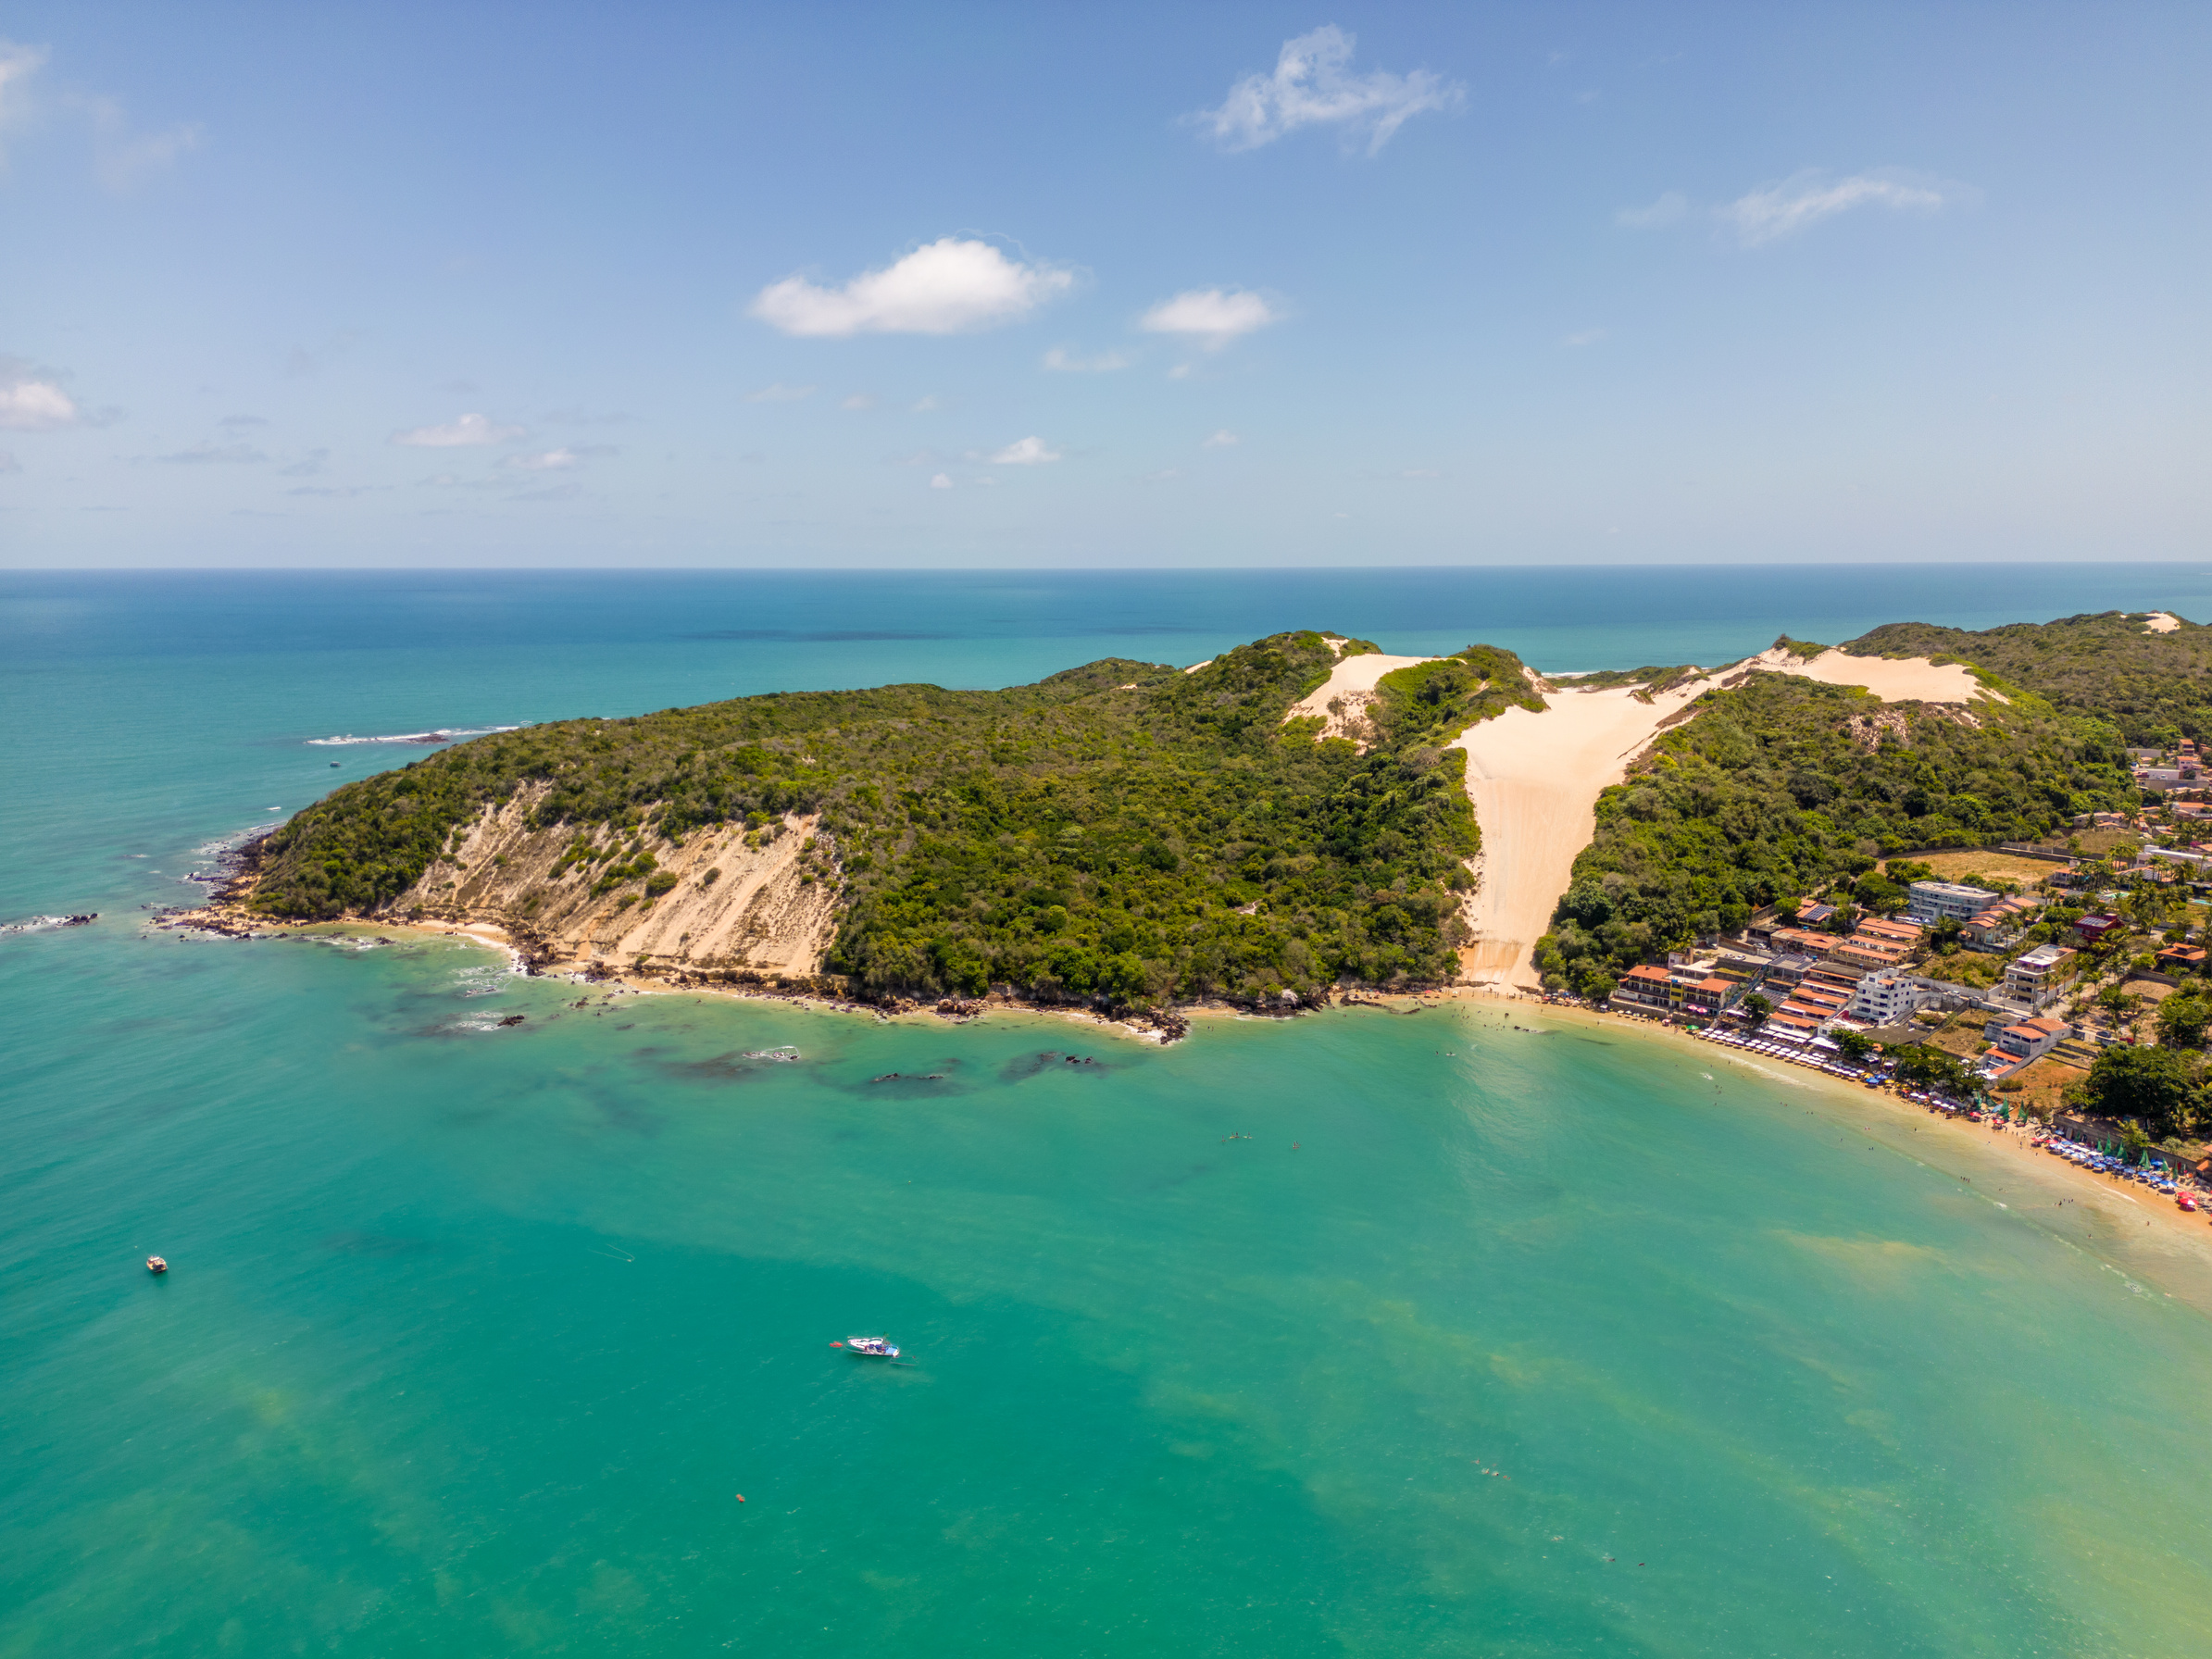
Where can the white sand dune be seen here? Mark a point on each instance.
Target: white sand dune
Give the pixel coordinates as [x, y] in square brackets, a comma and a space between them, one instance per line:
[1535, 779]
[1906, 679]
[1352, 685]
[2162, 621]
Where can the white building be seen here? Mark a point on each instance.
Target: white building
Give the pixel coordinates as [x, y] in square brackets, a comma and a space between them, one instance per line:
[2039, 976]
[1933, 900]
[1885, 998]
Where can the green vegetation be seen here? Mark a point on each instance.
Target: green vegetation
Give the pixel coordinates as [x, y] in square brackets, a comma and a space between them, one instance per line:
[2161, 1088]
[2151, 687]
[1781, 786]
[1920, 1066]
[1121, 831]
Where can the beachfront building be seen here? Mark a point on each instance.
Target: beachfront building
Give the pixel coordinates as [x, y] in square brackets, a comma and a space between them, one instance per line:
[1896, 932]
[1786, 971]
[2039, 976]
[1932, 902]
[1710, 996]
[1886, 999]
[1647, 989]
[2029, 1040]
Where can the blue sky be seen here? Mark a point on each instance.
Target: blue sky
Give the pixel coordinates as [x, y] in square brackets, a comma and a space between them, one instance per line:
[1004, 285]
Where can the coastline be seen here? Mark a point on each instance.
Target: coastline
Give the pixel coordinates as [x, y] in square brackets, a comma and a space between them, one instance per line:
[2188, 1234]
[2123, 1212]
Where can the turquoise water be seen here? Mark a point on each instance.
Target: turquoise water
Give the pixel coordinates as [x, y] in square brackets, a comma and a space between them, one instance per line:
[1497, 1335]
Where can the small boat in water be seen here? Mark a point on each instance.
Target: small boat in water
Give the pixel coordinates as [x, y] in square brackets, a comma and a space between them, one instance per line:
[873, 1347]
[156, 1265]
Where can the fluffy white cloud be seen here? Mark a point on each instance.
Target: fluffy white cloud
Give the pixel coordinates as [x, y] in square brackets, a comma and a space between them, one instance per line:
[1586, 337]
[1215, 316]
[1802, 200]
[1313, 86]
[1023, 452]
[940, 482]
[1666, 210]
[468, 431]
[860, 400]
[780, 394]
[946, 287]
[1066, 363]
[1224, 438]
[30, 401]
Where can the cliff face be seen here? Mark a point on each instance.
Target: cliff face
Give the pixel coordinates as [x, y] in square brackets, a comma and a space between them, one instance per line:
[770, 907]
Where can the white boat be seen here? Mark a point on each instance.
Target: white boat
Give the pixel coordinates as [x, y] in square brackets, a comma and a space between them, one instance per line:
[874, 1347]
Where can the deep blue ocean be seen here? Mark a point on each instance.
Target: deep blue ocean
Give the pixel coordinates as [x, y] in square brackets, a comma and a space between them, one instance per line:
[1488, 1333]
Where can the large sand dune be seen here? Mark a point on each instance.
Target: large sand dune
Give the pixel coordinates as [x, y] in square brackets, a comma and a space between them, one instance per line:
[1535, 779]
[1894, 679]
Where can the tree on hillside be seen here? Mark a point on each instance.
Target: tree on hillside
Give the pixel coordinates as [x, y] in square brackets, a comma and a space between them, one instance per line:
[2183, 1018]
[2157, 1086]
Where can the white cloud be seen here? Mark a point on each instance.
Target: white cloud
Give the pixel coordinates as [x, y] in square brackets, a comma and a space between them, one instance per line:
[1216, 315]
[1586, 337]
[203, 453]
[1023, 452]
[780, 394]
[940, 482]
[1312, 85]
[1105, 363]
[860, 400]
[926, 406]
[1182, 372]
[308, 465]
[1224, 438]
[946, 287]
[1804, 199]
[1666, 210]
[553, 460]
[31, 400]
[468, 431]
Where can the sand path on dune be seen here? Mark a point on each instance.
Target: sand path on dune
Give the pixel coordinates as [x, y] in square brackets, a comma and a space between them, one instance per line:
[1535, 779]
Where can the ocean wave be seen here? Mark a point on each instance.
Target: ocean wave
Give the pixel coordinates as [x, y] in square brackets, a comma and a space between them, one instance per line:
[46, 924]
[444, 734]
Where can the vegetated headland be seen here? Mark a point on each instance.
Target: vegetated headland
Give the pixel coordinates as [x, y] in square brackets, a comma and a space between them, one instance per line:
[1299, 815]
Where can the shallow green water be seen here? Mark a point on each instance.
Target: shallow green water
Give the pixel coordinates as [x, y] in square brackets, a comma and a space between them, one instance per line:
[1487, 1340]
[474, 1335]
